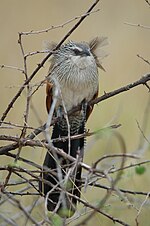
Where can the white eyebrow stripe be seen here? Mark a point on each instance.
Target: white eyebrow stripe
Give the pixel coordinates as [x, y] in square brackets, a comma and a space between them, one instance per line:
[80, 49]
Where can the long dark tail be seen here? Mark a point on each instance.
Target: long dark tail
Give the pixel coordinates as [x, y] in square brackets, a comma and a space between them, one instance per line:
[59, 200]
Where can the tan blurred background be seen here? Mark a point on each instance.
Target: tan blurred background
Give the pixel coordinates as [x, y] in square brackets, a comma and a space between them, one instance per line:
[122, 67]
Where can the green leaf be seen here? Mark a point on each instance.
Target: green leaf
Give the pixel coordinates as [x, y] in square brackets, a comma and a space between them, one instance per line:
[140, 170]
[64, 212]
[55, 219]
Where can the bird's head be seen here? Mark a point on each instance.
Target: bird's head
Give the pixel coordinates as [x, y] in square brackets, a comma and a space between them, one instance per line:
[82, 54]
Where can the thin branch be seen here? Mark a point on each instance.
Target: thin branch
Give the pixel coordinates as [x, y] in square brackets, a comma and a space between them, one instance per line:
[12, 67]
[58, 26]
[130, 166]
[114, 156]
[25, 160]
[136, 219]
[26, 114]
[141, 81]
[21, 194]
[19, 213]
[137, 25]
[94, 184]
[23, 132]
[144, 123]
[36, 52]
[147, 2]
[23, 209]
[8, 220]
[142, 132]
[97, 210]
[146, 61]
[11, 125]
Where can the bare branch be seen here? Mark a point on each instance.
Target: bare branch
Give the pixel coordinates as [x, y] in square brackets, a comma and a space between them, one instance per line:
[136, 219]
[12, 67]
[146, 61]
[115, 155]
[36, 52]
[23, 209]
[97, 210]
[142, 132]
[137, 25]
[147, 1]
[58, 26]
[141, 81]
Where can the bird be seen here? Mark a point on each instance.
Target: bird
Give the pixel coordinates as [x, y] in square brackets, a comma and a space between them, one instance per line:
[74, 74]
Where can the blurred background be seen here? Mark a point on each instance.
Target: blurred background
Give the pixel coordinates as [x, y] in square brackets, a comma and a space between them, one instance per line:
[122, 67]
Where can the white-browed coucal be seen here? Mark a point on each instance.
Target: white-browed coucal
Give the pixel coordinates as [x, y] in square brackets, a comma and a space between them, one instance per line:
[74, 72]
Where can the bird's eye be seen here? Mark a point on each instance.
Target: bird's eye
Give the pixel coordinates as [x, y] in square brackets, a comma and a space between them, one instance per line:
[77, 51]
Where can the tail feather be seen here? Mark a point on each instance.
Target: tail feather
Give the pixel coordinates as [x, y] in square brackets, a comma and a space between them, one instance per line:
[74, 182]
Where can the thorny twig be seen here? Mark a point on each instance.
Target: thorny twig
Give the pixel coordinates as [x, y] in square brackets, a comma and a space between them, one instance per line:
[26, 114]
[60, 25]
[12, 67]
[137, 25]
